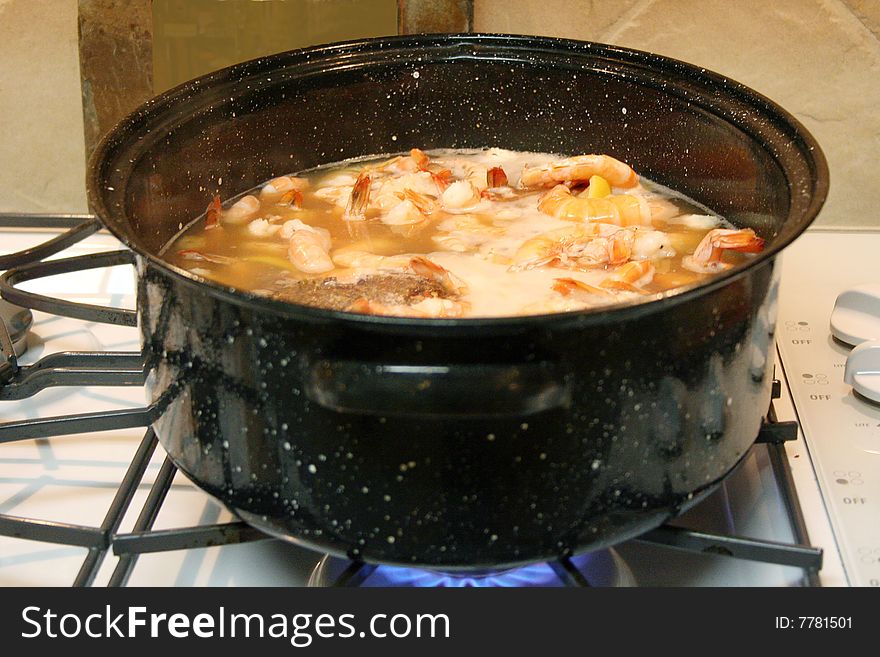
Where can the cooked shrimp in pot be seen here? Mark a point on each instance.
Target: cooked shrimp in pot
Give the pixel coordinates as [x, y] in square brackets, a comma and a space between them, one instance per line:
[212, 214]
[308, 251]
[619, 209]
[576, 247]
[244, 209]
[282, 186]
[565, 286]
[631, 277]
[707, 256]
[577, 169]
[475, 233]
[411, 209]
[356, 210]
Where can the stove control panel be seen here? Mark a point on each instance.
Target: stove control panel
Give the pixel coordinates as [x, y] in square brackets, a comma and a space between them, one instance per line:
[856, 315]
[863, 370]
[841, 426]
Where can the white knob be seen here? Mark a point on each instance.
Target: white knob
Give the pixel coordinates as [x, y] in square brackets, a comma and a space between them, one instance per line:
[863, 369]
[856, 314]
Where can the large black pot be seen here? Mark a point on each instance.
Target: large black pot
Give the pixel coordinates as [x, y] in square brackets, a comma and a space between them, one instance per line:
[457, 443]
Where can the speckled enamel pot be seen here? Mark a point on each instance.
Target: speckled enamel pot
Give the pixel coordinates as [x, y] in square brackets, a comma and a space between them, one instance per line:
[457, 444]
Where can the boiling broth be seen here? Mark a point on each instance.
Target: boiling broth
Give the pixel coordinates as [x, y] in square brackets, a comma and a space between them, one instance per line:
[457, 234]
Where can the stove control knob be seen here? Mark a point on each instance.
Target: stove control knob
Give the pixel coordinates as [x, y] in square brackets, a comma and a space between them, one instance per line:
[856, 314]
[863, 370]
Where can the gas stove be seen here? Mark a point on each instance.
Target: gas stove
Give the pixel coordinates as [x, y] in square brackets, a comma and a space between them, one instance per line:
[95, 501]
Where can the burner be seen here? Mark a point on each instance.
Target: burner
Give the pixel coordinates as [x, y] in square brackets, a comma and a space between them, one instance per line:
[17, 321]
[601, 568]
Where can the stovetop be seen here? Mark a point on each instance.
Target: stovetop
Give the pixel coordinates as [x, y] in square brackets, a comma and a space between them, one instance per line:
[75, 478]
[842, 429]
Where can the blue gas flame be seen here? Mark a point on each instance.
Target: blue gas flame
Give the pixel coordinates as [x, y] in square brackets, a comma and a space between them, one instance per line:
[533, 575]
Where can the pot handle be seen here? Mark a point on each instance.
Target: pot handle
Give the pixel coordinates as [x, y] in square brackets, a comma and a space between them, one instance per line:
[453, 390]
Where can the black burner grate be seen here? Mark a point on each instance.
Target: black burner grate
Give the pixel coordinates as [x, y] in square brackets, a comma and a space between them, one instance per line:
[127, 369]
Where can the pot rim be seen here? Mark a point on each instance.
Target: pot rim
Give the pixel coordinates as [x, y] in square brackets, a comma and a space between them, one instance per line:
[310, 58]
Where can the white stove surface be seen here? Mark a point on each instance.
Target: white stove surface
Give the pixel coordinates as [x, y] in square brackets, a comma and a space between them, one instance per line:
[73, 478]
[842, 429]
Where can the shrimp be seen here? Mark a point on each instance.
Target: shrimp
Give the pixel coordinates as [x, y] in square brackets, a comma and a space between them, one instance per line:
[579, 168]
[308, 247]
[369, 307]
[442, 179]
[468, 191]
[498, 189]
[212, 214]
[417, 160]
[461, 194]
[437, 307]
[292, 198]
[618, 209]
[427, 308]
[431, 270]
[356, 210]
[577, 247]
[282, 186]
[360, 259]
[262, 228]
[307, 251]
[397, 164]
[707, 256]
[565, 286]
[439, 175]
[403, 214]
[630, 277]
[242, 210]
[386, 192]
[496, 177]
[420, 158]
[412, 208]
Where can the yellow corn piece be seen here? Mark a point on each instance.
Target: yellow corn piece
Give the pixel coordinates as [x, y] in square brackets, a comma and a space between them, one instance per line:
[684, 241]
[599, 187]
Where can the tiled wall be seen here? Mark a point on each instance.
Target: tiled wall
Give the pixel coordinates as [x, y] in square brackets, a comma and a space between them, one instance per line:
[820, 59]
[42, 153]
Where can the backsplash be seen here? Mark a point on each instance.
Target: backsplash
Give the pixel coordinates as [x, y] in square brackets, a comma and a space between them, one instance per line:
[42, 151]
[820, 59]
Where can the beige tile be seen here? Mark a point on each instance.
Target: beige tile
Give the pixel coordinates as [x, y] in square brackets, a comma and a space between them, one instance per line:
[811, 56]
[816, 58]
[586, 20]
[867, 11]
[42, 158]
